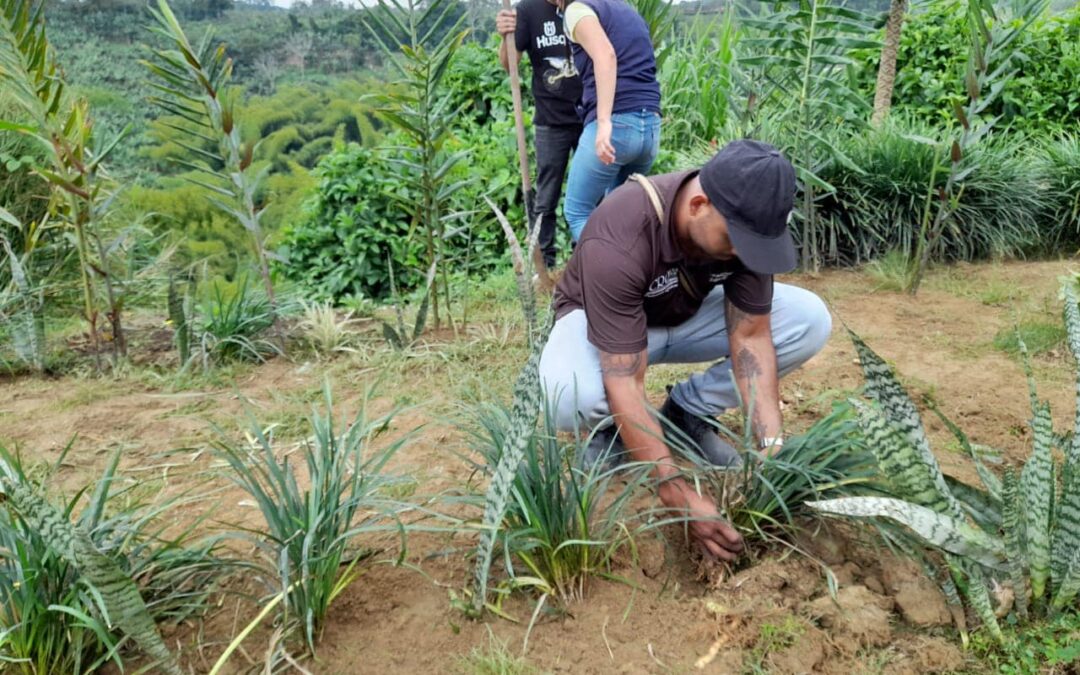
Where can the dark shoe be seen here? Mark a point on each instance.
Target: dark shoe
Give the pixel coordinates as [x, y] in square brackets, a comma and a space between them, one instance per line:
[703, 437]
[604, 445]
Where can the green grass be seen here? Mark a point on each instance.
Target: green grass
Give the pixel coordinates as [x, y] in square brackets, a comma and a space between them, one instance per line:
[1039, 336]
[772, 637]
[494, 659]
[890, 272]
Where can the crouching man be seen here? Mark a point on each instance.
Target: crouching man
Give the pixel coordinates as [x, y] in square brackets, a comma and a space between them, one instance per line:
[678, 268]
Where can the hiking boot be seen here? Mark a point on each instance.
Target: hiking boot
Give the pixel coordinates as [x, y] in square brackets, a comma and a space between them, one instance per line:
[605, 445]
[703, 437]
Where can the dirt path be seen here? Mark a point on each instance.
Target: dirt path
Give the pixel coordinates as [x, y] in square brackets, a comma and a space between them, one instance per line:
[769, 618]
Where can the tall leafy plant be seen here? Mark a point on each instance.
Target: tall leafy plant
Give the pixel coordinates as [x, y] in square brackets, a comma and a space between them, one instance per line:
[61, 127]
[193, 82]
[422, 108]
[799, 57]
[1020, 532]
[990, 64]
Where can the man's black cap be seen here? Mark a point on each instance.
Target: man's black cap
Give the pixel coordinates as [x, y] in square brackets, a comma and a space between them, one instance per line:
[753, 186]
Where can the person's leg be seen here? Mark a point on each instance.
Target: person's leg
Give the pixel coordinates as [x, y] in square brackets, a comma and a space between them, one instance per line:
[588, 182]
[553, 146]
[570, 374]
[801, 326]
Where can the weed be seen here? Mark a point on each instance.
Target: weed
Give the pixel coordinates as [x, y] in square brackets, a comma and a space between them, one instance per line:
[772, 637]
[495, 659]
[890, 272]
[325, 331]
[1040, 337]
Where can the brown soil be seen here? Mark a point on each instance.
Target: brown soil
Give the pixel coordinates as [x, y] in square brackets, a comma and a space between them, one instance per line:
[773, 617]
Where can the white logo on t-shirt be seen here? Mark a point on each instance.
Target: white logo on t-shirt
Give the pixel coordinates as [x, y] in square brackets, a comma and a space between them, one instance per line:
[551, 37]
[662, 284]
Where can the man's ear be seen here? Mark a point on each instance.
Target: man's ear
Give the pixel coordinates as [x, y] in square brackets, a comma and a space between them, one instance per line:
[699, 205]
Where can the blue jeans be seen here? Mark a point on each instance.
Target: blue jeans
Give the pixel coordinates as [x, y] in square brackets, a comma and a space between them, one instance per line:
[636, 138]
[574, 385]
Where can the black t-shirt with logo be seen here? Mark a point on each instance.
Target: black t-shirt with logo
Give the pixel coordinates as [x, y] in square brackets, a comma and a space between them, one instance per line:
[556, 86]
[625, 271]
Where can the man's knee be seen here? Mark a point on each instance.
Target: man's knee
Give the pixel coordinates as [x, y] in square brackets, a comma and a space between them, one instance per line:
[575, 405]
[810, 324]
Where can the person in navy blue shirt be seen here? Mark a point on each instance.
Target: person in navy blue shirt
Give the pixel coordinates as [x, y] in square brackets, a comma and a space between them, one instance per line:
[537, 28]
[620, 103]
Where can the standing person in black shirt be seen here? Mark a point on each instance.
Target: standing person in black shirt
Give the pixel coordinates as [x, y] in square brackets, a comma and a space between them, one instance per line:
[556, 88]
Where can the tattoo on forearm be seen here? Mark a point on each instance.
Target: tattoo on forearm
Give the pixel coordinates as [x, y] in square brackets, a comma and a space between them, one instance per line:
[734, 316]
[747, 365]
[620, 365]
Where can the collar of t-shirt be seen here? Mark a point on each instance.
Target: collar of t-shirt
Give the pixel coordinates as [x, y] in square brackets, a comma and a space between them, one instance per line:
[668, 186]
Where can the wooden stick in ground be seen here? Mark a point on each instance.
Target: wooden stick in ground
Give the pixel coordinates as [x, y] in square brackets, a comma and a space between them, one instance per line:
[519, 117]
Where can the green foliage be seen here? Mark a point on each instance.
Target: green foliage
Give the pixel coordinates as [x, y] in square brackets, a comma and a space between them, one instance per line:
[1023, 534]
[1062, 173]
[1034, 647]
[352, 225]
[362, 208]
[235, 323]
[308, 540]
[800, 63]
[193, 83]
[1038, 336]
[879, 207]
[697, 82]
[763, 498]
[418, 105]
[563, 524]
[71, 591]
[1040, 97]
[495, 659]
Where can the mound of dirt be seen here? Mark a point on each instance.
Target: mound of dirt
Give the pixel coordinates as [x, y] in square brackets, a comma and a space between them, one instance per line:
[856, 613]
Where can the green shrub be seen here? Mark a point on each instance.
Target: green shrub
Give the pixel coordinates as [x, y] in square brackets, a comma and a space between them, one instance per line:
[880, 207]
[352, 224]
[1041, 96]
[358, 217]
[1061, 157]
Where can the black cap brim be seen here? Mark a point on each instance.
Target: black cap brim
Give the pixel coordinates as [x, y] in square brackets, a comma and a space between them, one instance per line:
[764, 255]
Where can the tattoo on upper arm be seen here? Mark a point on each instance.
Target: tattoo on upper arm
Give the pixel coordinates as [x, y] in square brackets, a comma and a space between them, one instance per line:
[620, 365]
[734, 316]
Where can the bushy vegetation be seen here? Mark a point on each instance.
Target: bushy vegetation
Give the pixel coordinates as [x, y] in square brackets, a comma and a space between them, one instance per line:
[1039, 99]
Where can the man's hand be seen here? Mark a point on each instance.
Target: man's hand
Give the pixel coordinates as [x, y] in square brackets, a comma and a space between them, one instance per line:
[717, 539]
[506, 22]
[605, 151]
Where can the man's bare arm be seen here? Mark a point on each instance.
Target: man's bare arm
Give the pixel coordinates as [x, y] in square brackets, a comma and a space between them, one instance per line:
[505, 25]
[624, 382]
[753, 358]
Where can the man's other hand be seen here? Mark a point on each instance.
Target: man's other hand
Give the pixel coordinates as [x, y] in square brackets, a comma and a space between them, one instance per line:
[506, 22]
[717, 538]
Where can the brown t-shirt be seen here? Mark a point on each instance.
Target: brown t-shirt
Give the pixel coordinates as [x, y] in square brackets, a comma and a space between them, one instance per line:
[625, 271]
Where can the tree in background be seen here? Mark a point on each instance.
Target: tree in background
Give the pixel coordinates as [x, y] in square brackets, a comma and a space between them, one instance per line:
[886, 78]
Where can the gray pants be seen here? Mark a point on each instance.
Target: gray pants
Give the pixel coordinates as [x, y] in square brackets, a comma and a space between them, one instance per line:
[570, 364]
